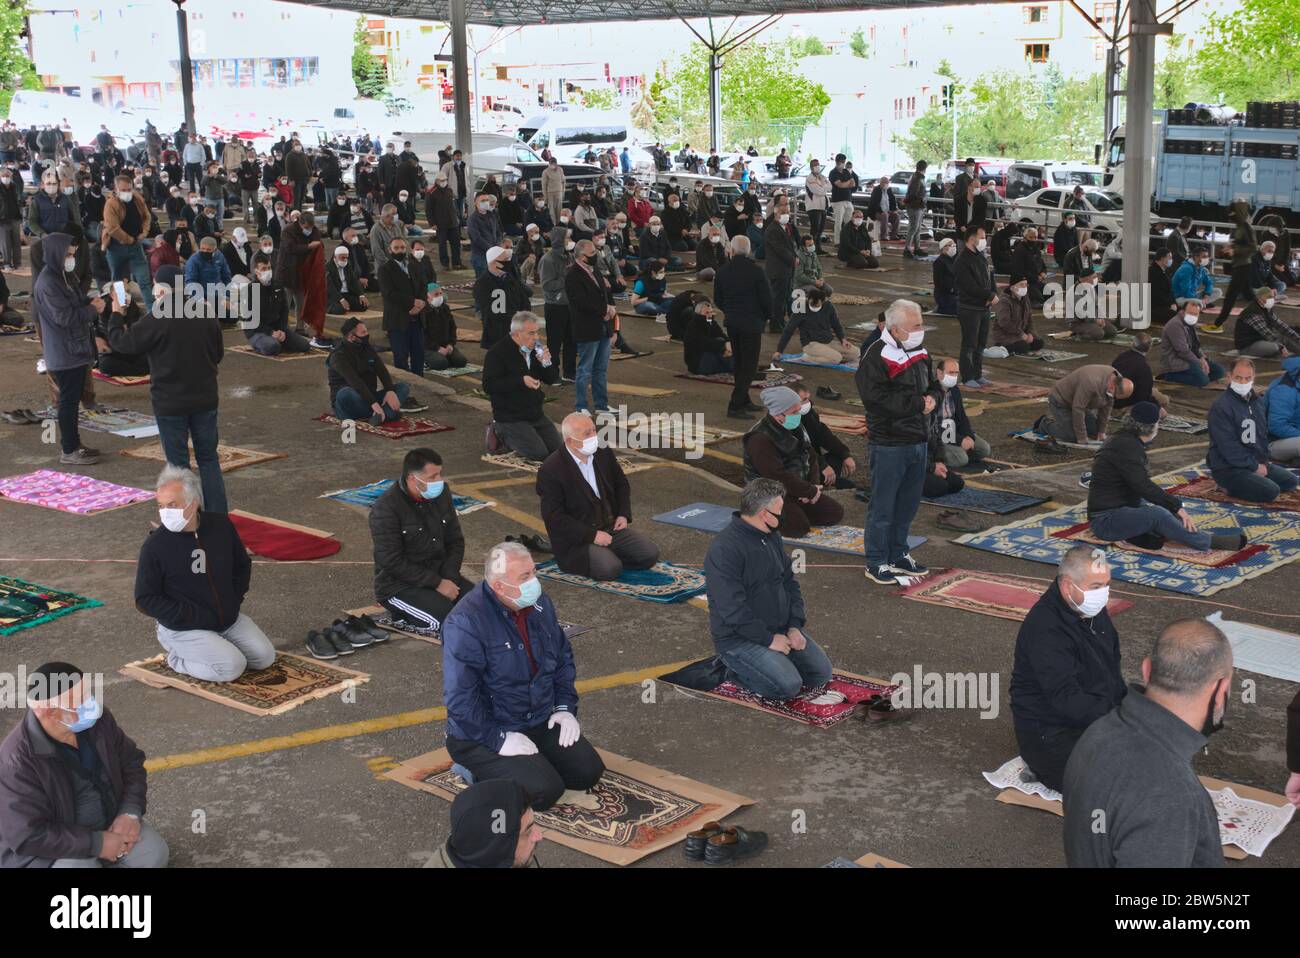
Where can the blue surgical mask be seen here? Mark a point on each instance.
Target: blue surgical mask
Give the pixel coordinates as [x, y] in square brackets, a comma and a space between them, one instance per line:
[792, 422]
[433, 489]
[529, 593]
[88, 713]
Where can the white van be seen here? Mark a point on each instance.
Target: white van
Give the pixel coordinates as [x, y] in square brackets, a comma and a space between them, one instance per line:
[568, 134]
[1031, 176]
[84, 116]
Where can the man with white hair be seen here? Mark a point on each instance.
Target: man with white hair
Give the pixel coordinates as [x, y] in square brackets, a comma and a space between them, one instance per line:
[484, 231]
[192, 576]
[72, 792]
[382, 234]
[899, 391]
[344, 292]
[514, 371]
[586, 503]
[509, 685]
[656, 248]
[742, 292]
[1067, 664]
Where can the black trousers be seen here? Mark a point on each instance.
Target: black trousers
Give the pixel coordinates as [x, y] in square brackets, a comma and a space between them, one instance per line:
[559, 338]
[1046, 751]
[745, 348]
[937, 486]
[70, 382]
[816, 223]
[974, 337]
[544, 776]
[1238, 287]
[423, 607]
[449, 242]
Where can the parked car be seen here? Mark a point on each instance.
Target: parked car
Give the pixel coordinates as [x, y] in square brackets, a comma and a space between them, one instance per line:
[1027, 177]
[1046, 208]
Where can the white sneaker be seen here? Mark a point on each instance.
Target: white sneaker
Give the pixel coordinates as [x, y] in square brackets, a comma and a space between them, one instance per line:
[829, 697]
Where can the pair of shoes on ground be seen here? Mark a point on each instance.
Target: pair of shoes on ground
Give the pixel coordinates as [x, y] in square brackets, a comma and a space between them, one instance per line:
[889, 574]
[535, 542]
[21, 417]
[955, 520]
[85, 456]
[826, 392]
[344, 637]
[718, 845]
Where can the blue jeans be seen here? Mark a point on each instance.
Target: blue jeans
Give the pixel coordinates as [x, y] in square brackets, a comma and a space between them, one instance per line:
[128, 262]
[1251, 486]
[1193, 375]
[408, 347]
[649, 308]
[349, 404]
[593, 364]
[199, 428]
[772, 675]
[478, 262]
[897, 480]
[331, 194]
[1117, 525]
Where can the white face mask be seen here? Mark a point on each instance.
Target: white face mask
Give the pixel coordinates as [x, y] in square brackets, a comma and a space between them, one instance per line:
[674, 204]
[654, 230]
[950, 251]
[436, 301]
[569, 246]
[949, 381]
[1267, 257]
[564, 219]
[417, 254]
[173, 519]
[341, 263]
[1191, 318]
[980, 246]
[1243, 389]
[590, 445]
[51, 189]
[264, 277]
[857, 221]
[915, 340]
[599, 241]
[1094, 600]
[806, 408]
[783, 218]
[268, 248]
[69, 263]
[1019, 291]
[125, 195]
[1270, 303]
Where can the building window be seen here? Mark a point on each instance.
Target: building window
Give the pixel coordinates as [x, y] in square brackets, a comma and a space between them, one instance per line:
[1038, 52]
[911, 106]
[1098, 50]
[1103, 12]
[1035, 14]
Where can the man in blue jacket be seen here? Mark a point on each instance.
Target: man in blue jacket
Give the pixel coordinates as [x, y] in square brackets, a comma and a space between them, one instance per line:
[1238, 456]
[1192, 280]
[756, 610]
[1283, 399]
[508, 681]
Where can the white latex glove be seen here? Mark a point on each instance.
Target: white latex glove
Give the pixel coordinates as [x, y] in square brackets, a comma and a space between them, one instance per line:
[517, 743]
[568, 724]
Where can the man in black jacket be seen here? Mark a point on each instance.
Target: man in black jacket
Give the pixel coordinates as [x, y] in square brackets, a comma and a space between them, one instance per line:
[756, 609]
[418, 544]
[1163, 307]
[183, 352]
[595, 325]
[828, 446]
[498, 295]
[355, 375]
[706, 350]
[975, 294]
[344, 293]
[1067, 664]
[899, 392]
[779, 238]
[403, 295]
[778, 447]
[272, 335]
[1027, 261]
[960, 444]
[513, 373]
[586, 504]
[1124, 505]
[192, 576]
[741, 291]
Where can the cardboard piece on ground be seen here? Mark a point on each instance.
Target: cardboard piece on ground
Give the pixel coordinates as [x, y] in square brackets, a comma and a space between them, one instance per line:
[282, 357]
[675, 805]
[282, 523]
[872, 860]
[229, 458]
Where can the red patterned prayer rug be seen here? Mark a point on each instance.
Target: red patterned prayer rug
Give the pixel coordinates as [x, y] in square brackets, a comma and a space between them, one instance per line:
[1215, 558]
[1205, 487]
[121, 380]
[397, 429]
[986, 593]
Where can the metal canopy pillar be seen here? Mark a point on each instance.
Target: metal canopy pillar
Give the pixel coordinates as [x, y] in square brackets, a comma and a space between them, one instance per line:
[187, 69]
[1138, 144]
[460, 89]
[715, 102]
[719, 47]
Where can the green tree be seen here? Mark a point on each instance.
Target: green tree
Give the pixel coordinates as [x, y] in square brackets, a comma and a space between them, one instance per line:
[765, 99]
[858, 44]
[810, 47]
[600, 98]
[1252, 53]
[16, 69]
[368, 72]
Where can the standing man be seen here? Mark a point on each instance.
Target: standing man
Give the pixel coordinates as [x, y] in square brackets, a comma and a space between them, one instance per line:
[126, 224]
[194, 157]
[742, 292]
[779, 262]
[553, 186]
[594, 326]
[484, 229]
[404, 300]
[899, 392]
[298, 168]
[883, 208]
[842, 183]
[453, 172]
[301, 270]
[961, 193]
[975, 294]
[914, 203]
[817, 201]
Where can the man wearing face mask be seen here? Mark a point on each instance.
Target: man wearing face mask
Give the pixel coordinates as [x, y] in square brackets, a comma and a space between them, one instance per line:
[1241, 249]
[1260, 333]
[741, 291]
[498, 295]
[821, 337]
[484, 230]
[442, 212]
[1065, 239]
[655, 248]
[418, 544]
[595, 327]
[857, 244]
[238, 253]
[514, 371]
[74, 785]
[552, 271]
[1238, 456]
[1133, 770]
[1162, 290]
[975, 294]
[1067, 664]
[960, 445]
[586, 503]
[301, 269]
[1261, 269]
[209, 270]
[387, 228]
[272, 335]
[11, 216]
[943, 274]
[553, 183]
[440, 350]
[780, 243]
[403, 290]
[509, 685]
[197, 605]
[778, 447]
[345, 294]
[298, 168]
[1182, 360]
[961, 194]
[1013, 322]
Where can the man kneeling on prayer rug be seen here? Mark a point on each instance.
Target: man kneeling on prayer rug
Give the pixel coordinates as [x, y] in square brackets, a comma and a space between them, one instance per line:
[1067, 665]
[192, 577]
[508, 680]
[756, 610]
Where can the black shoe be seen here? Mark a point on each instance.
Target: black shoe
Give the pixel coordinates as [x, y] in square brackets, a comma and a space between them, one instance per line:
[739, 414]
[376, 419]
[341, 645]
[319, 647]
[1085, 479]
[754, 407]
[826, 392]
[375, 631]
[734, 844]
[693, 847]
[412, 405]
[881, 575]
[861, 494]
[906, 565]
[537, 543]
[1231, 542]
[907, 253]
[357, 638]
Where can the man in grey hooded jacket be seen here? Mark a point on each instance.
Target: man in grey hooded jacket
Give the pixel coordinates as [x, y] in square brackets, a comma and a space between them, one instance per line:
[559, 323]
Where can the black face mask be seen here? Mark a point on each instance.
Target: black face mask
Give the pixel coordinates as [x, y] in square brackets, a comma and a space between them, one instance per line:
[400, 257]
[206, 253]
[1211, 726]
[361, 342]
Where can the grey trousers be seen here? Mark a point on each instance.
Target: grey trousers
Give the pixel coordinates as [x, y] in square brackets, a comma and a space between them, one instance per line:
[915, 220]
[268, 345]
[1094, 333]
[217, 656]
[533, 440]
[1285, 450]
[956, 457]
[1060, 423]
[1262, 349]
[149, 852]
[628, 549]
[11, 243]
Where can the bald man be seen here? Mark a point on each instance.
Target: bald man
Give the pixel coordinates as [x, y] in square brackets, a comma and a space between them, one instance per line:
[586, 505]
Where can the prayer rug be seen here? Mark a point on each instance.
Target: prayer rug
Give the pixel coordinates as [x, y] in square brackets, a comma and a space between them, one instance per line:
[726, 379]
[69, 492]
[1256, 648]
[634, 810]
[871, 859]
[283, 541]
[452, 371]
[615, 357]
[365, 496]
[850, 425]
[281, 357]
[713, 518]
[1214, 558]
[512, 460]
[121, 380]
[986, 593]
[664, 582]
[397, 429]
[1192, 427]
[798, 360]
[1049, 356]
[992, 501]
[1213, 312]
[1036, 539]
[708, 677]
[25, 604]
[1011, 390]
[1206, 487]
[846, 299]
[16, 330]
[1034, 436]
[229, 458]
[385, 620]
[285, 684]
[126, 423]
